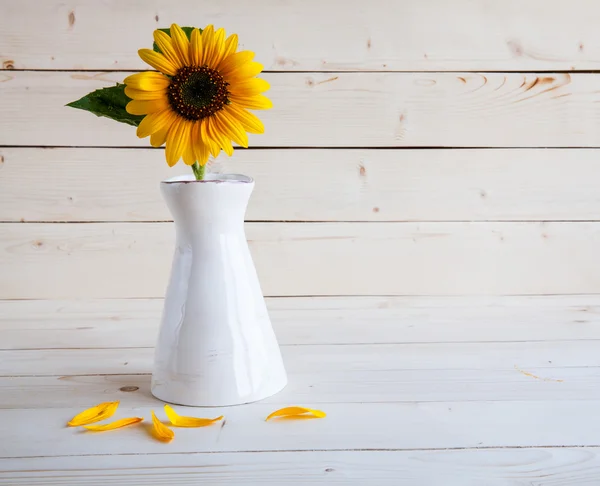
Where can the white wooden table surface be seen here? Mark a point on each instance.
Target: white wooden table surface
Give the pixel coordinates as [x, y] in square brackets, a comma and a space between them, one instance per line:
[414, 148]
[501, 391]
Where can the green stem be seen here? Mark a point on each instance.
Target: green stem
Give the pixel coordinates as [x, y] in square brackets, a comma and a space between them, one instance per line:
[198, 171]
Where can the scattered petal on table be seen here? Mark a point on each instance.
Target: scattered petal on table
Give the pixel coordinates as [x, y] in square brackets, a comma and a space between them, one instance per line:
[117, 424]
[296, 412]
[179, 421]
[161, 431]
[95, 414]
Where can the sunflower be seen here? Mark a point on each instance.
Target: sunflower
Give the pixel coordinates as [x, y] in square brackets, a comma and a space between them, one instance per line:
[197, 103]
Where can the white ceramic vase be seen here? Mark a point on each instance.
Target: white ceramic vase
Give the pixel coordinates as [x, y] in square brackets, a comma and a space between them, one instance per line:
[216, 345]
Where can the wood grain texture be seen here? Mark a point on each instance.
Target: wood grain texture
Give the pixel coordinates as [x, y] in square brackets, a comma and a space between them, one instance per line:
[419, 390]
[345, 35]
[377, 109]
[52, 324]
[471, 467]
[333, 358]
[90, 184]
[432, 400]
[46, 261]
[488, 382]
[348, 426]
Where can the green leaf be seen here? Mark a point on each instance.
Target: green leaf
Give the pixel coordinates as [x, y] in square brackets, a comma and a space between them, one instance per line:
[108, 102]
[187, 30]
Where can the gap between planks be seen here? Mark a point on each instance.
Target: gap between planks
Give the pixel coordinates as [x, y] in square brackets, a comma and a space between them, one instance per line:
[366, 449]
[348, 71]
[317, 147]
[292, 221]
[365, 343]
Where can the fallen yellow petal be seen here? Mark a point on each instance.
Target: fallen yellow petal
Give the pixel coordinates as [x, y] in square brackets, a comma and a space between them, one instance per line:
[179, 421]
[95, 414]
[117, 424]
[296, 412]
[161, 431]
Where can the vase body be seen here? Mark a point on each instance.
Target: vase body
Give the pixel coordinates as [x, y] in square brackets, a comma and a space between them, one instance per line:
[216, 345]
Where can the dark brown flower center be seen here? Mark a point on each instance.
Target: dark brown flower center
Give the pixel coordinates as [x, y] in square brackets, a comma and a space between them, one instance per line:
[196, 92]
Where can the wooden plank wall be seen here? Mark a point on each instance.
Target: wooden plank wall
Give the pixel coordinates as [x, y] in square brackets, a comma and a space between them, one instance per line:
[415, 148]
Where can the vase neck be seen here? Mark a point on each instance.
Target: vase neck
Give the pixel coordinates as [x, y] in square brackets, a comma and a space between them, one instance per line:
[212, 203]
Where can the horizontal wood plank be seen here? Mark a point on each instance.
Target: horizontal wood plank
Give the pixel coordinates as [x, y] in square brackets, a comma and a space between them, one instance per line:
[315, 358]
[345, 35]
[348, 426]
[377, 110]
[26, 324]
[471, 467]
[90, 184]
[54, 261]
[487, 382]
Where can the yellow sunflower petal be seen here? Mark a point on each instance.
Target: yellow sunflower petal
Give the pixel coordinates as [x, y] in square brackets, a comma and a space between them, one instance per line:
[214, 135]
[189, 158]
[218, 49]
[231, 45]
[206, 138]
[155, 122]
[207, 43]
[165, 44]
[218, 132]
[250, 87]
[226, 146]
[138, 94]
[136, 107]
[233, 61]
[158, 61]
[160, 430]
[178, 140]
[181, 44]
[201, 150]
[233, 129]
[243, 72]
[95, 414]
[248, 120]
[179, 421]
[196, 48]
[159, 138]
[117, 424]
[148, 81]
[257, 102]
[215, 132]
[296, 412]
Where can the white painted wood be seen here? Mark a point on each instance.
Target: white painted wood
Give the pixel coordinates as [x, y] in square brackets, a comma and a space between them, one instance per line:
[313, 35]
[488, 382]
[26, 324]
[492, 467]
[424, 396]
[377, 109]
[404, 380]
[133, 260]
[327, 185]
[513, 356]
[348, 426]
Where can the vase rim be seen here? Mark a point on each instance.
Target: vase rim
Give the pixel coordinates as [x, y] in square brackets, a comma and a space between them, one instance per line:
[210, 178]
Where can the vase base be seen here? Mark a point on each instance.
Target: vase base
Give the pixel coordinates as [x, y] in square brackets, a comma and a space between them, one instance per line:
[176, 395]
